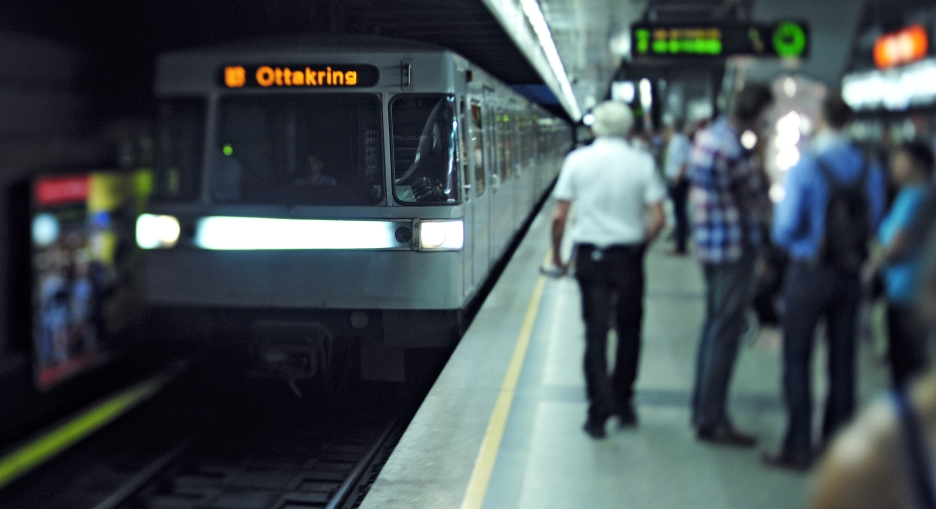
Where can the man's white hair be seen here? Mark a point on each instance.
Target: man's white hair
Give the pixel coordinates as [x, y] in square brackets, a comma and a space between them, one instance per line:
[612, 118]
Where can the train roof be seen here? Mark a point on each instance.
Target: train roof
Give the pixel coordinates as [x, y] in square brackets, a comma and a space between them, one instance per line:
[312, 42]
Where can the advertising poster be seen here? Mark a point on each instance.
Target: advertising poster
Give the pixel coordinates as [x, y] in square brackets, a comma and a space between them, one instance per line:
[83, 266]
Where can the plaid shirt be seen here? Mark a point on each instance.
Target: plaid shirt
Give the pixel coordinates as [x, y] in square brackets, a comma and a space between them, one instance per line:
[723, 173]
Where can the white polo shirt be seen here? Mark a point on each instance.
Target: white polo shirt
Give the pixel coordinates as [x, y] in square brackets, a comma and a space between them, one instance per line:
[611, 183]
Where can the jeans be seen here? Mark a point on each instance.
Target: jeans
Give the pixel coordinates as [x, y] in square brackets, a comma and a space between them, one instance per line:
[611, 280]
[679, 194]
[815, 292]
[728, 292]
[906, 339]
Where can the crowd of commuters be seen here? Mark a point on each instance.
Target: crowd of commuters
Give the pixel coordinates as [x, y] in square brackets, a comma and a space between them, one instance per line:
[837, 235]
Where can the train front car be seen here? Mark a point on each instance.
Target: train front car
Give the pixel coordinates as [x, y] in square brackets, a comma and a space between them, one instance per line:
[309, 201]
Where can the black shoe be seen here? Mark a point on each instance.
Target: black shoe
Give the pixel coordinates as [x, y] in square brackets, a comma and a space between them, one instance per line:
[726, 435]
[626, 415]
[595, 428]
[797, 461]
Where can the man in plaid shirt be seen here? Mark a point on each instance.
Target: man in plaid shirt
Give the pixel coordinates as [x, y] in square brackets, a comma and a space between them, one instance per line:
[730, 202]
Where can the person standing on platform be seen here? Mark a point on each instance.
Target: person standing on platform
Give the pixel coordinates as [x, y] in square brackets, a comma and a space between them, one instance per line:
[885, 458]
[615, 187]
[911, 170]
[675, 158]
[730, 203]
[833, 203]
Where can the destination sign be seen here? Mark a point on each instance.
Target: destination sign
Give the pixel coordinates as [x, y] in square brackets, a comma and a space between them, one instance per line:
[787, 39]
[299, 76]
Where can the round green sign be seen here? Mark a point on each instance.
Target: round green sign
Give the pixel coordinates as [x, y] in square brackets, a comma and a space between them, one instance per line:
[789, 39]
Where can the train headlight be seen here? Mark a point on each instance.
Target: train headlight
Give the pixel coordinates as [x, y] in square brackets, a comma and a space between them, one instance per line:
[441, 235]
[153, 232]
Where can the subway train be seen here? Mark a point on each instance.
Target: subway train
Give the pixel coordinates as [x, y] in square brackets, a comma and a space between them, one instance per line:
[320, 200]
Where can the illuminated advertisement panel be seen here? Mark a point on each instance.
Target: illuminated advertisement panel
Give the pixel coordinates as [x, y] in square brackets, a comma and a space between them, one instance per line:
[908, 45]
[298, 76]
[894, 89]
[82, 260]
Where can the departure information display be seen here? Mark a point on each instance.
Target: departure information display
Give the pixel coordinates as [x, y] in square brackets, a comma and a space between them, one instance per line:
[786, 39]
[299, 75]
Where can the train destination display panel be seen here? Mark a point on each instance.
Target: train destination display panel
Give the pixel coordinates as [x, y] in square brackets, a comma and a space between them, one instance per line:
[787, 39]
[299, 75]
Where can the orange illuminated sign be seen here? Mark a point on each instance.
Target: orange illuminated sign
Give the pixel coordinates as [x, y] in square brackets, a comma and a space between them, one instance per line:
[908, 45]
[305, 76]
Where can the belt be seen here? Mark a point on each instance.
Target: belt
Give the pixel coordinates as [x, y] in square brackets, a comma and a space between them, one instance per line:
[613, 247]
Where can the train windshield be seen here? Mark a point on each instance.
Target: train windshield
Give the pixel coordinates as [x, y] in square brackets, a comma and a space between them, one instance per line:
[424, 165]
[180, 137]
[321, 149]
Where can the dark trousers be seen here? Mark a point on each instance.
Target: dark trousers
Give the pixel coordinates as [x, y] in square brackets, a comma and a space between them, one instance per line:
[813, 293]
[907, 350]
[679, 193]
[728, 292]
[612, 284]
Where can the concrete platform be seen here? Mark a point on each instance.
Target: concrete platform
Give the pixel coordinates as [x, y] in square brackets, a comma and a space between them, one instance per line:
[501, 433]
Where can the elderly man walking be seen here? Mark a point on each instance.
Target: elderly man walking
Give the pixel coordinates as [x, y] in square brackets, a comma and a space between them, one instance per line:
[615, 188]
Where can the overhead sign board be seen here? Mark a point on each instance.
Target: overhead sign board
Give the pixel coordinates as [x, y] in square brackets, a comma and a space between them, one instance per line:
[786, 39]
[299, 76]
[903, 47]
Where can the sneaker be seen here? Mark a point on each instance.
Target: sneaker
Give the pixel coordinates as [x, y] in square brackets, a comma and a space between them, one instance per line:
[726, 435]
[595, 428]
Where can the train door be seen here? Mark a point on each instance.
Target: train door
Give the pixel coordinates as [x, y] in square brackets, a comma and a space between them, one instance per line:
[466, 179]
[503, 196]
[481, 208]
[491, 165]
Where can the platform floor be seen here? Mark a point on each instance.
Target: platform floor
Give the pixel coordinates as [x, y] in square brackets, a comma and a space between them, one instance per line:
[457, 454]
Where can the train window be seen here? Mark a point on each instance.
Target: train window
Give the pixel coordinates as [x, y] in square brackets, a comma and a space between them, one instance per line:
[477, 144]
[179, 149]
[503, 128]
[315, 149]
[424, 162]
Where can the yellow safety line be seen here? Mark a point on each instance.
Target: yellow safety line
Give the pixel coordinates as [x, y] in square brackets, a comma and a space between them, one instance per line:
[487, 456]
[62, 436]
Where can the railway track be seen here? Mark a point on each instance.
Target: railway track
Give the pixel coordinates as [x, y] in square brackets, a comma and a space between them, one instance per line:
[230, 446]
[320, 468]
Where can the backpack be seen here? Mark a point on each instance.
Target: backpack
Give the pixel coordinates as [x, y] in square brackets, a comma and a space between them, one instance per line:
[847, 222]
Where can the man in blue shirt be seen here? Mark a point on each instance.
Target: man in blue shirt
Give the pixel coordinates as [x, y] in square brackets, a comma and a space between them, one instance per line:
[814, 289]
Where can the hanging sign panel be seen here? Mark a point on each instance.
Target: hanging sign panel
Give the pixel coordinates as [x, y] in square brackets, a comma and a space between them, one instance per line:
[786, 39]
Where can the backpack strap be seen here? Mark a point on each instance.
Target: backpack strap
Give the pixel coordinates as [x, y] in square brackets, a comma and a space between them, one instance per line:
[826, 171]
[921, 470]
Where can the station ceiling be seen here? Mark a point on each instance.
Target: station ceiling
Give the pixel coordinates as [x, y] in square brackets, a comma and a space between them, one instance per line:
[590, 35]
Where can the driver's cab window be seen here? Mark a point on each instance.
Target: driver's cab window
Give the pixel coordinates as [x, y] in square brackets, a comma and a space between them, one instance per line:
[425, 169]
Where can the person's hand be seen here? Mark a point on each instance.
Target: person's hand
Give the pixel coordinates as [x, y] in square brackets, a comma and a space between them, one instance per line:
[554, 269]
